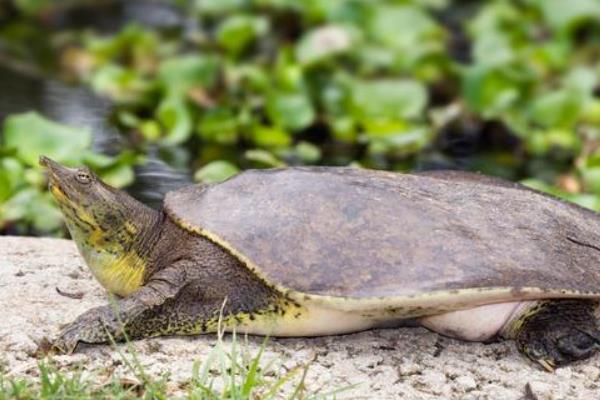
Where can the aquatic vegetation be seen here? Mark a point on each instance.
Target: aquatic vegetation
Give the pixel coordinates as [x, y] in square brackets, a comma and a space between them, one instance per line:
[506, 88]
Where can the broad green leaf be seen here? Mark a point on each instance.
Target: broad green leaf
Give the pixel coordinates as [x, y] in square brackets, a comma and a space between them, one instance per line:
[237, 32]
[219, 125]
[263, 157]
[97, 161]
[491, 91]
[119, 83]
[32, 135]
[44, 214]
[322, 43]
[11, 177]
[558, 109]
[266, 136]
[32, 6]
[254, 77]
[116, 171]
[220, 7]
[591, 179]
[404, 140]
[17, 206]
[493, 49]
[308, 152]
[140, 44]
[174, 115]
[408, 35]
[494, 17]
[150, 129]
[591, 113]
[562, 14]
[402, 26]
[34, 207]
[541, 141]
[582, 79]
[179, 74]
[290, 111]
[216, 171]
[118, 175]
[389, 99]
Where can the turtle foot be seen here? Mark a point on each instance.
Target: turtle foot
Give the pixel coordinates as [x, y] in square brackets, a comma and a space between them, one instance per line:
[559, 332]
[94, 326]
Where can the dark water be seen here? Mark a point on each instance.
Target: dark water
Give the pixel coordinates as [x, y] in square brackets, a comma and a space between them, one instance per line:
[111, 15]
[76, 106]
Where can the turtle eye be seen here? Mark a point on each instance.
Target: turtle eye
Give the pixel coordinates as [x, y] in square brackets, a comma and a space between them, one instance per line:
[83, 177]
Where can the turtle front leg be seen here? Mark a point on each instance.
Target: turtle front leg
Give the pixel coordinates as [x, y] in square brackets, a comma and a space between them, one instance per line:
[557, 332]
[100, 324]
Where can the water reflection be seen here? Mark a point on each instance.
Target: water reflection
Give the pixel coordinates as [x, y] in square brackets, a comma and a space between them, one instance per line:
[112, 15]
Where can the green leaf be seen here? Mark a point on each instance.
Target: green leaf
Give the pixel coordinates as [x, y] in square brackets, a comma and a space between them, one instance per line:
[34, 207]
[33, 6]
[290, 111]
[44, 214]
[581, 79]
[119, 83]
[389, 99]
[17, 207]
[591, 179]
[493, 48]
[562, 14]
[237, 32]
[267, 136]
[32, 135]
[264, 157]
[116, 171]
[150, 129]
[558, 109]
[541, 141]
[219, 125]
[308, 152]
[322, 43]
[173, 113]
[395, 136]
[402, 26]
[11, 177]
[220, 7]
[118, 175]
[216, 171]
[491, 91]
[591, 113]
[179, 74]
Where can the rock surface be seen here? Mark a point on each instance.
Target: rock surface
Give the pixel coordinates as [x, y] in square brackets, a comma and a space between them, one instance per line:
[381, 364]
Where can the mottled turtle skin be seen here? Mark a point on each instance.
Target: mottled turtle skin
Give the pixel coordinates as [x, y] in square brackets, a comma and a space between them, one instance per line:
[317, 251]
[360, 234]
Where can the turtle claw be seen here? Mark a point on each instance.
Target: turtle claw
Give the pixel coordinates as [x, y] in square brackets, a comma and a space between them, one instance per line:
[548, 365]
[94, 326]
[65, 344]
[69, 338]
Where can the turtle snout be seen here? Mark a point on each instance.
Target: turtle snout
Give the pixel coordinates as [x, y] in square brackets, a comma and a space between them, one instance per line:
[50, 164]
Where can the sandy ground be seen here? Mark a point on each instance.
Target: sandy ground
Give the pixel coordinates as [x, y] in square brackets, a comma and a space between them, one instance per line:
[409, 363]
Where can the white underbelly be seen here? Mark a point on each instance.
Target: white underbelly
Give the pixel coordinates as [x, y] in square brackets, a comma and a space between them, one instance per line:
[475, 324]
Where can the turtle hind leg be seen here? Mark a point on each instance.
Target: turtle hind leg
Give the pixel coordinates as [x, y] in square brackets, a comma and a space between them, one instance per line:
[557, 332]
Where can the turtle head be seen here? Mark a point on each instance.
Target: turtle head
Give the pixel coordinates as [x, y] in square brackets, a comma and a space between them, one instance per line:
[107, 224]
